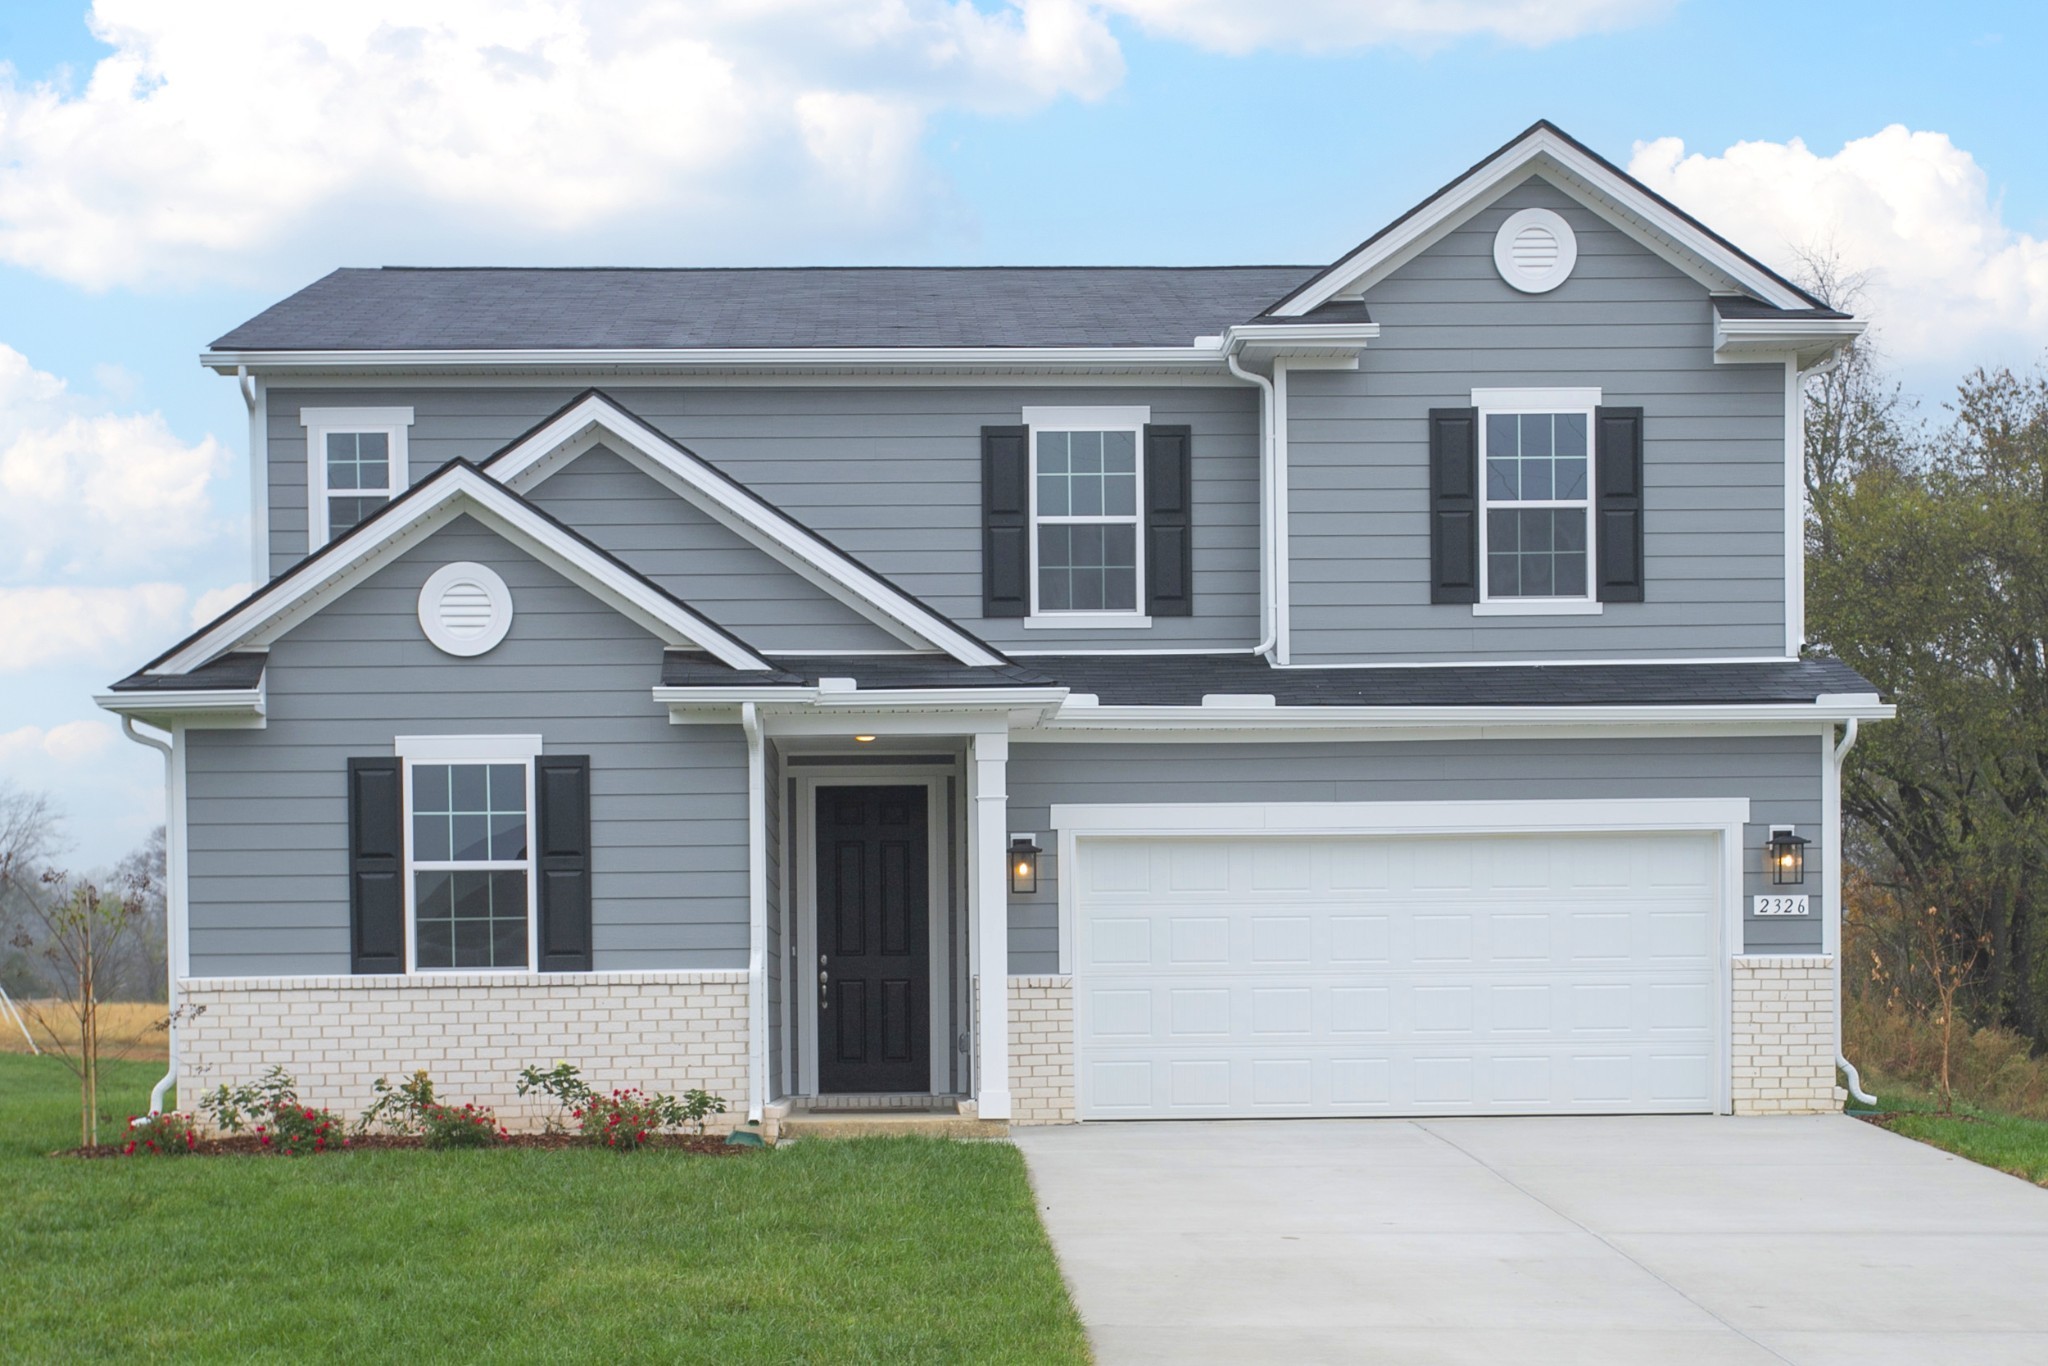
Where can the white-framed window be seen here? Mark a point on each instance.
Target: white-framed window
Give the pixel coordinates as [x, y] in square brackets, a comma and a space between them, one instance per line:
[355, 464]
[1087, 523]
[471, 904]
[1536, 504]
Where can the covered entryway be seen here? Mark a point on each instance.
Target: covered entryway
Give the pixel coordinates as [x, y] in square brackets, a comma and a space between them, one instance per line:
[1265, 975]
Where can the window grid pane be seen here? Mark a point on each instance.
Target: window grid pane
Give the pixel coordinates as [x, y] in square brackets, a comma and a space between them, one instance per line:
[470, 919]
[1088, 567]
[1088, 474]
[358, 461]
[1536, 552]
[469, 813]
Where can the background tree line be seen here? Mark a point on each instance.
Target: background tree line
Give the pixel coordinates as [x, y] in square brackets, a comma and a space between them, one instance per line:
[1927, 571]
[34, 879]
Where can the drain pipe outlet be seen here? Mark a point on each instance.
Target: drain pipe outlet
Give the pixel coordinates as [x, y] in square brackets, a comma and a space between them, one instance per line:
[1269, 536]
[172, 926]
[1848, 1069]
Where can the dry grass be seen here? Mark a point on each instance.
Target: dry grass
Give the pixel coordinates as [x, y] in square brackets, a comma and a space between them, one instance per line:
[128, 1029]
[1993, 1068]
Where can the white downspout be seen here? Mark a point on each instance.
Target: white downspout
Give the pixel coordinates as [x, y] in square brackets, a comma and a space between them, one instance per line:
[1270, 578]
[174, 899]
[1841, 752]
[254, 399]
[757, 914]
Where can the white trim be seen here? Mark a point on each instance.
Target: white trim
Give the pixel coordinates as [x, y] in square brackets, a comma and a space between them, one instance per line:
[1132, 419]
[255, 394]
[553, 446]
[800, 839]
[1795, 510]
[1566, 663]
[472, 750]
[1635, 210]
[194, 708]
[455, 489]
[1086, 621]
[1098, 717]
[1283, 570]
[1528, 282]
[320, 423]
[1559, 400]
[989, 915]
[434, 592]
[468, 749]
[757, 915]
[1538, 607]
[718, 360]
[1740, 341]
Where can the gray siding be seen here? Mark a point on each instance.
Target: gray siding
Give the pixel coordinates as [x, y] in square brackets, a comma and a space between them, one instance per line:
[726, 578]
[1780, 775]
[890, 474]
[1627, 322]
[267, 812]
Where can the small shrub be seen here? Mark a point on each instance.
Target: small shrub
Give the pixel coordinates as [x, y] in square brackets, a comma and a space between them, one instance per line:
[232, 1109]
[460, 1126]
[296, 1130]
[401, 1109]
[565, 1085]
[625, 1120]
[164, 1133]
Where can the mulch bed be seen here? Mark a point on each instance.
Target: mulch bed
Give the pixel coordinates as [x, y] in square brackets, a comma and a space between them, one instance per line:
[248, 1145]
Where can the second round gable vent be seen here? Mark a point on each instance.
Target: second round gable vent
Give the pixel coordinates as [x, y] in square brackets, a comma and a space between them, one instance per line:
[465, 609]
[1535, 250]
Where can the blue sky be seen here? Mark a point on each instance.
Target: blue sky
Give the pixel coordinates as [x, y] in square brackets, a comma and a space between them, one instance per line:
[143, 210]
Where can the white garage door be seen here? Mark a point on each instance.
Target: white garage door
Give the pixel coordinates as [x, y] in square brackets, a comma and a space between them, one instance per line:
[1512, 974]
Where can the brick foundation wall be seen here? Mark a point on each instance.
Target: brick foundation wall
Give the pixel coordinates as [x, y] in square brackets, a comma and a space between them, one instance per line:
[1041, 1050]
[660, 1031]
[1783, 1035]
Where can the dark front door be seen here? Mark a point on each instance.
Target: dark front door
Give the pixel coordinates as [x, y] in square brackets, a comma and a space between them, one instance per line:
[874, 906]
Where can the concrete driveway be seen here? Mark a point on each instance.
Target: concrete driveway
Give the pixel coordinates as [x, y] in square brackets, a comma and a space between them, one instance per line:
[1695, 1240]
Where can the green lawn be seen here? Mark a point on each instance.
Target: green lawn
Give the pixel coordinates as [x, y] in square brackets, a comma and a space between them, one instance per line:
[2007, 1142]
[880, 1250]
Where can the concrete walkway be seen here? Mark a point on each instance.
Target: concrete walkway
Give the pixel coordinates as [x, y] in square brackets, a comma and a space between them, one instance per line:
[1629, 1240]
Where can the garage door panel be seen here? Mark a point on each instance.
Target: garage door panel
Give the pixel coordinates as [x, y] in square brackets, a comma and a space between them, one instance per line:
[1254, 977]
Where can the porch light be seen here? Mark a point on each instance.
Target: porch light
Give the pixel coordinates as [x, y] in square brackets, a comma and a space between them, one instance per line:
[1787, 854]
[863, 739]
[1023, 864]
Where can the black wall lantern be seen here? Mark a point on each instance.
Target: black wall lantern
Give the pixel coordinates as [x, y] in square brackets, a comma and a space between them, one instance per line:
[1787, 854]
[1023, 864]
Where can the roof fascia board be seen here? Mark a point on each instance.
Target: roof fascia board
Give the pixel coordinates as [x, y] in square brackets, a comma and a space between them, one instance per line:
[719, 359]
[1808, 340]
[456, 489]
[1538, 150]
[790, 544]
[1827, 710]
[194, 708]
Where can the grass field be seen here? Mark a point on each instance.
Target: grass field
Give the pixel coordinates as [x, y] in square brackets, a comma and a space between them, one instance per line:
[134, 1029]
[2011, 1143]
[879, 1250]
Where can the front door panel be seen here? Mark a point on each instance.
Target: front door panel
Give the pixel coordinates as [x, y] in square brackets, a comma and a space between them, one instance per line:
[874, 906]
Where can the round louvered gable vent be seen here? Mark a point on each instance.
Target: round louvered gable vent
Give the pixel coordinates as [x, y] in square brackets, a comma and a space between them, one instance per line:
[1535, 250]
[465, 609]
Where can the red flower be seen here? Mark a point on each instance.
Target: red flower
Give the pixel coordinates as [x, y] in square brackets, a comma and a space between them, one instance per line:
[129, 1151]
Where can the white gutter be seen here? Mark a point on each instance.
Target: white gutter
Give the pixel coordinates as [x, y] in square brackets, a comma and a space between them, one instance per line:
[921, 699]
[1270, 717]
[259, 475]
[1269, 580]
[757, 915]
[1834, 794]
[245, 703]
[937, 358]
[174, 895]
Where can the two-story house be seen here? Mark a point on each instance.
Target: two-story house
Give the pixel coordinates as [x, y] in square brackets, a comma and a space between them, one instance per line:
[1363, 689]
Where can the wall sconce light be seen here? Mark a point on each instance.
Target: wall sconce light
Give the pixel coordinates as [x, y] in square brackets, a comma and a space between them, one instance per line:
[864, 739]
[1024, 863]
[1787, 854]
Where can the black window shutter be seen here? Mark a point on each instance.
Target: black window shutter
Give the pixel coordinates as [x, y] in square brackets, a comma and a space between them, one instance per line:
[1618, 505]
[1169, 522]
[561, 786]
[376, 866]
[1005, 521]
[1454, 505]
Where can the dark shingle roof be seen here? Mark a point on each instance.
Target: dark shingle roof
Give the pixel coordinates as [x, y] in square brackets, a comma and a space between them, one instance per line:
[401, 308]
[230, 671]
[1734, 306]
[1183, 680]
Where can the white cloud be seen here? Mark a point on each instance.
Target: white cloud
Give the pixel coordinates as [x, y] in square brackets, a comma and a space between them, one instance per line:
[53, 625]
[221, 134]
[89, 493]
[1237, 27]
[69, 743]
[214, 601]
[1947, 278]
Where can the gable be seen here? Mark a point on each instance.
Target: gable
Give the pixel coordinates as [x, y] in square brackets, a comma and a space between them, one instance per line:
[675, 543]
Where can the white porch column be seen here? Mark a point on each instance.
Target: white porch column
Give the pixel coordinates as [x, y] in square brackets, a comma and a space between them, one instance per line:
[989, 902]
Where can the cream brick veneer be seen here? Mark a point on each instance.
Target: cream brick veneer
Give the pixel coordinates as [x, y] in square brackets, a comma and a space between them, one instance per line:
[1783, 1035]
[1041, 1050]
[660, 1031]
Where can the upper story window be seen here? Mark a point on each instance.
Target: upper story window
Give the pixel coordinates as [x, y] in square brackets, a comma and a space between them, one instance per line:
[469, 874]
[356, 463]
[1536, 523]
[1087, 490]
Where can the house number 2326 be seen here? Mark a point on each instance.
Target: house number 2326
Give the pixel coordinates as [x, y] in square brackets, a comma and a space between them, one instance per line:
[1781, 905]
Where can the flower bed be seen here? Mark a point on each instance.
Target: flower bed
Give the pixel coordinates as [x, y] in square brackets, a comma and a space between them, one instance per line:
[251, 1145]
